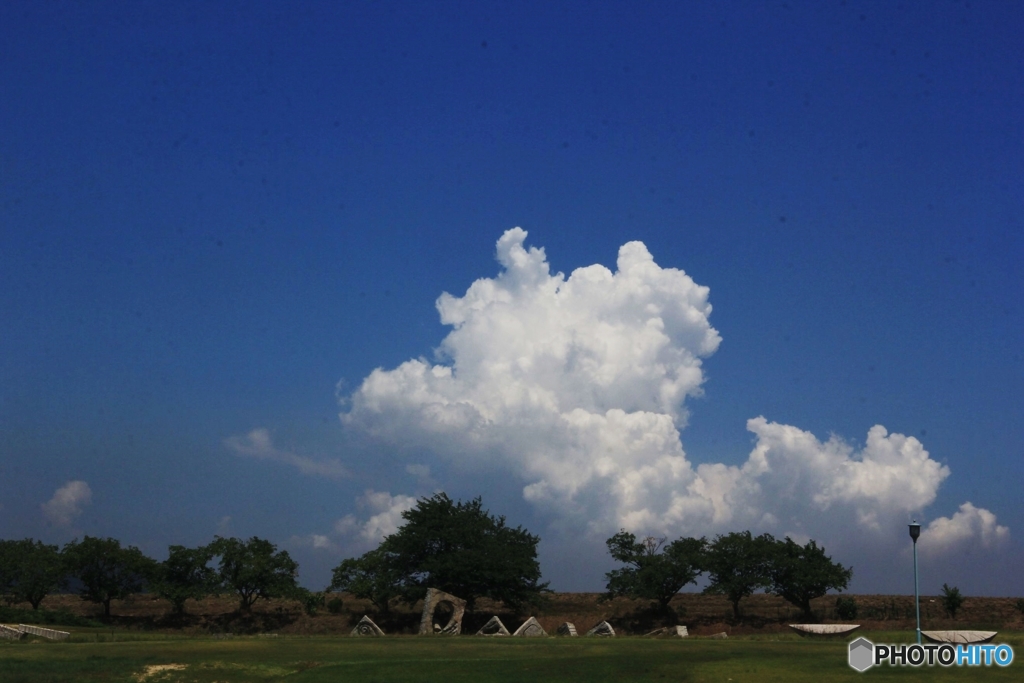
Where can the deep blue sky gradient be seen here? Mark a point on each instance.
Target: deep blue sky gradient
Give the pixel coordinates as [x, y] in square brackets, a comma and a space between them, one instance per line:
[210, 213]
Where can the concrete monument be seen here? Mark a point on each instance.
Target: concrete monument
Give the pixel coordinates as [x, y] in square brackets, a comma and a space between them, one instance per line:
[604, 629]
[669, 632]
[8, 633]
[567, 629]
[447, 602]
[366, 627]
[493, 627]
[824, 629]
[966, 637]
[530, 628]
[44, 632]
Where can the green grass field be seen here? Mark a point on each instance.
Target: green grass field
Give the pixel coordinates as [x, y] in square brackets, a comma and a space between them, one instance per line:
[98, 655]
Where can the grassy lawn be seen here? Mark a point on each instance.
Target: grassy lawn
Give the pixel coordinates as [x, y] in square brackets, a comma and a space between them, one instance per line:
[123, 656]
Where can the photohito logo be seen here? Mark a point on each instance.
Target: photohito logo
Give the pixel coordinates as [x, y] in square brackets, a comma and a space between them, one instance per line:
[864, 654]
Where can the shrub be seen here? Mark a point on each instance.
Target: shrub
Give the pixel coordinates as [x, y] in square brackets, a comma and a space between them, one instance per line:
[1020, 605]
[311, 602]
[846, 608]
[61, 617]
[335, 605]
[951, 600]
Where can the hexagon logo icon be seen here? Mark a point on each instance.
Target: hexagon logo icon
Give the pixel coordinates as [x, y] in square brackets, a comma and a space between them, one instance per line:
[862, 654]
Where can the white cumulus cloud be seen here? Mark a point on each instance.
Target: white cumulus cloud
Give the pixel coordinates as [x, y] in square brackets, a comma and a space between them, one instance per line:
[576, 387]
[67, 503]
[791, 479]
[258, 444]
[316, 542]
[385, 516]
[968, 527]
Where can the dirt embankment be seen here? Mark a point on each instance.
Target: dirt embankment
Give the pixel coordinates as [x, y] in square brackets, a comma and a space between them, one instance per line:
[702, 614]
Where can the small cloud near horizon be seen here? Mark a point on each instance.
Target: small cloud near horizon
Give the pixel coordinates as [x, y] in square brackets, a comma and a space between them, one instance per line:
[67, 503]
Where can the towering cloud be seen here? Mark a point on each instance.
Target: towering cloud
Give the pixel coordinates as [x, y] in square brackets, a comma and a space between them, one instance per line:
[577, 385]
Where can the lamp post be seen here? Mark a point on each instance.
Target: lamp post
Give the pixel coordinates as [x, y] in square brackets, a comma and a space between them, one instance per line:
[915, 531]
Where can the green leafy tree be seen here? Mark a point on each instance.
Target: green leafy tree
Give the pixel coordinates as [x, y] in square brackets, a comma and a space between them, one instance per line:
[653, 571]
[335, 605]
[952, 600]
[185, 574]
[459, 547]
[376, 576]
[799, 573]
[846, 608]
[29, 571]
[106, 571]
[311, 601]
[737, 565]
[7, 569]
[255, 570]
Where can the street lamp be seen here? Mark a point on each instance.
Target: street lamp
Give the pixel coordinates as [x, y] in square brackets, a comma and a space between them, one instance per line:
[915, 531]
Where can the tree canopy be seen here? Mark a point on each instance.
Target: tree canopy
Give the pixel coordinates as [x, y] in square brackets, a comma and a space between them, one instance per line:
[375, 577]
[185, 574]
[254, 569]
[653, 571]
[457, 547]
[107, 571]
[460, 548]
[800, 573]
[29, 571]
[737, 565]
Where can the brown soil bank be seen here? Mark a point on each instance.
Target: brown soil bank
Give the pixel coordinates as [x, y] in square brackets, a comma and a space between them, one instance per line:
[702, 614]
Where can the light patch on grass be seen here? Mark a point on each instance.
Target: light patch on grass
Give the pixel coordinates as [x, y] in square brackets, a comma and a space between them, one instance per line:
[158, 671]
[252, 671]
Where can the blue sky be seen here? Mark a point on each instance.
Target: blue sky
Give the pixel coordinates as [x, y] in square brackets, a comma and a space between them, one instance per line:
[218, 220]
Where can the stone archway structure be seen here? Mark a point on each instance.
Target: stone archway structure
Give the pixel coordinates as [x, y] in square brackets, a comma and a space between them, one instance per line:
[436, 598]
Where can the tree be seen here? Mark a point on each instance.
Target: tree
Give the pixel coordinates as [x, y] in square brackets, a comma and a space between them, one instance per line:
[846, 608]
[951, 600]
[8, 563]
[29, 571]
[800, 573]
[462, 549]
[107, 571]
[311, 602]
[185, 574]
[737, 565]
[375, 577]
[254, 569]
[650, 574]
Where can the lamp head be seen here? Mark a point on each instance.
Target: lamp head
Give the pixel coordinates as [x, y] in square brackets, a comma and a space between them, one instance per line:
[915, 530]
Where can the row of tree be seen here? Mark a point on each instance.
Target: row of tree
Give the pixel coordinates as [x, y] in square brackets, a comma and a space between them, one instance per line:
[461, 549]
[102, 570]
[458, 547]
[736, 565]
